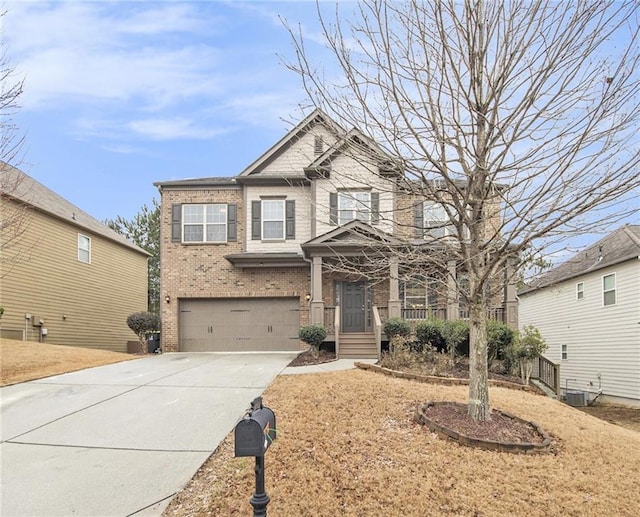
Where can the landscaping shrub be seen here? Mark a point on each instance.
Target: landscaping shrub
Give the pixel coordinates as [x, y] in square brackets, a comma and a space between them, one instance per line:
[500, 336]
[429, 333]
[313, 335]
[456, 337]
[399, 355]
[527, 347]
[143, 324]
[397, 327]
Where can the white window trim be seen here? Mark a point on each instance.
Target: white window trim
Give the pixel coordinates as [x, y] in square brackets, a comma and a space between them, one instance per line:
[204, 223]
[427, 285]
[360, 208]
[444, 224]
[615, 290]
[580, 290]
[264, 220]
[87, 250]
[564, 352]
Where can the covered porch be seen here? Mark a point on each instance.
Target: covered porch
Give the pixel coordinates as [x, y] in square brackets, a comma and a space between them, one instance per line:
[356, 287]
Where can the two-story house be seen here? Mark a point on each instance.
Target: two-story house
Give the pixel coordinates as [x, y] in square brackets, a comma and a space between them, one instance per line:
[313, 231]
[65, 277]
[588, 311]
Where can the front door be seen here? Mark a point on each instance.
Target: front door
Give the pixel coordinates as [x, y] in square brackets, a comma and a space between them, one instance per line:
[353, 306]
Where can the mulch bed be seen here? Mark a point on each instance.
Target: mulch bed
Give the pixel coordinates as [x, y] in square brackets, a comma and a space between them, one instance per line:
[307, 358]
[500, 428]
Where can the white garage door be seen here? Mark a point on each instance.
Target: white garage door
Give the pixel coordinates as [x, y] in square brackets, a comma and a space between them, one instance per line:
[239, 325]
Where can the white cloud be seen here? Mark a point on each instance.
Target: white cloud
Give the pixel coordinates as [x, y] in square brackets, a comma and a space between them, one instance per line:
[156, 70]
[171, 129]
[82, 52]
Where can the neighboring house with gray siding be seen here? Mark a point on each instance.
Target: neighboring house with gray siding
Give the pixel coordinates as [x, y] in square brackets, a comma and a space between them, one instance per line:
[246, 260]
[67, 279]
[588, 311]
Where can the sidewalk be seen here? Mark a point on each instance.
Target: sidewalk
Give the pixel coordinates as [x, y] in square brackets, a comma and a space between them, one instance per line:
[333, 366]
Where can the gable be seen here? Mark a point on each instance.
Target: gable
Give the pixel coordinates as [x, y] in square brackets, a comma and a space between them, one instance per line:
[353, 232]
[296, 149]
[298, 153]
[353, 147]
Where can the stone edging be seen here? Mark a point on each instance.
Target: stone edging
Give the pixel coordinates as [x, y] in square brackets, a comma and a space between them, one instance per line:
[514, 448]
[447, 381]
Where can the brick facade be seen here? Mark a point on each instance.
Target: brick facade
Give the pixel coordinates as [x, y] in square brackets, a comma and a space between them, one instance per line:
[205, 271]
[201, 271]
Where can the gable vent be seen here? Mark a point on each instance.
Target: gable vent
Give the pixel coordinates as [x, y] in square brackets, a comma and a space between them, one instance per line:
[318, 145]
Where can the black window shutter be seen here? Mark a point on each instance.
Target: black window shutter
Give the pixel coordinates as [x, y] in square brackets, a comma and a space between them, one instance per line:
[290, 223]
[333, 208]
[375, 208]
[256, 220]
[419, 220]
[232, 223]
[176, 223]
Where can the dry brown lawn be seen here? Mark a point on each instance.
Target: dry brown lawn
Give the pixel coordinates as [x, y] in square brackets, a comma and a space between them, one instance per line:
[22, 361]
[347, 445]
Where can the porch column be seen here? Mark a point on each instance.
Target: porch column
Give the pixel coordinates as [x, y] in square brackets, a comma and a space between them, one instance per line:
[395, 306]
[452, 291]
[510, 299]
[317, 303]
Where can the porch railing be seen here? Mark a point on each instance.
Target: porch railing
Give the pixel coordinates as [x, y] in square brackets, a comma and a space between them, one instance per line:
[549, 374]
[426, 313]
[411, 315]
[377, 329]
[493, 313]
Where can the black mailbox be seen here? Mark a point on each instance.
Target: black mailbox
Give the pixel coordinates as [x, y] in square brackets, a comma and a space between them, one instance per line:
[255, 432]
[253, 436]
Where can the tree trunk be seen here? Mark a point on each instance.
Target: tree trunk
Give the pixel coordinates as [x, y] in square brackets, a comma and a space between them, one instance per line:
[143, 344]
[479, 408]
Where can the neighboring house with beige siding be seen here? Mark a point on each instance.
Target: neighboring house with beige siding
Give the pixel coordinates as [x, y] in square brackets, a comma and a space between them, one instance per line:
[246, 260]
[588, 311]
[69, 280]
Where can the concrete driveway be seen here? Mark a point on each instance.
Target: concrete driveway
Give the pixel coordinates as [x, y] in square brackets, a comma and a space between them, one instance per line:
[122, 439]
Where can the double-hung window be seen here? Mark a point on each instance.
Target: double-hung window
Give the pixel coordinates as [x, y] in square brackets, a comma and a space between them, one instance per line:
[354, 205]
[420, 295]
[273, 219]
[84, 248]
[204, 223]
[580, 291]
[436, 221]
[609, 289]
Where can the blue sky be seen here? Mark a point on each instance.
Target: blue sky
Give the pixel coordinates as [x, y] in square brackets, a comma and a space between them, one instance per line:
[120, 94]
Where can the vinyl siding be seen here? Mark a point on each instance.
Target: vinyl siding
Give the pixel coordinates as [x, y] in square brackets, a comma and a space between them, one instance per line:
[81, 304]
[299, 154]
[301, 195]
[600, 340]
[350, 172]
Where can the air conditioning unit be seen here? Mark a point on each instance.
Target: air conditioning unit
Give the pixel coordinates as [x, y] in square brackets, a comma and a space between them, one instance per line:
[577, 398]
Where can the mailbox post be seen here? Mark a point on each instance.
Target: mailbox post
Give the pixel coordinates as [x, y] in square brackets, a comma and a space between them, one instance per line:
[253, 436]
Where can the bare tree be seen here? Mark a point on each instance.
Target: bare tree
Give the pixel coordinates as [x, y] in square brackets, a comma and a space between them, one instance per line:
[14, 185]
[532, 103]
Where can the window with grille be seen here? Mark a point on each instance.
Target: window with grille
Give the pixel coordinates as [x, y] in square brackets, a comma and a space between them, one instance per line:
[204, 223]
[84, 249]
[609, 289]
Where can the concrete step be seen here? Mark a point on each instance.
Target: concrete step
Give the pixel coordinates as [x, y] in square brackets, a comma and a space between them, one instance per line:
[358, 346]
